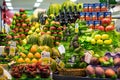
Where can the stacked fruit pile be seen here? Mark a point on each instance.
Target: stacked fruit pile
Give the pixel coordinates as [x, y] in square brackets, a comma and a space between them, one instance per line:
[34, 71]
[55, 30]
[3, 39]
[20, 26]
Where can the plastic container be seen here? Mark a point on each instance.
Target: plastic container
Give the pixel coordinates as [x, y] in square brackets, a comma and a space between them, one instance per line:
[94, 16]
[82, 15]
[97, 7]
[87, 16]
[91, 7]
[97, 23]
[100, 15]
[103, 7]
[85, 7]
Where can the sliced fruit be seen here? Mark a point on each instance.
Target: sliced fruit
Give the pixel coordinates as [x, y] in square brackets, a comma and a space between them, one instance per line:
[27, 60]
[20, 60]
[34, 60]
[37, 55]
[30, 55]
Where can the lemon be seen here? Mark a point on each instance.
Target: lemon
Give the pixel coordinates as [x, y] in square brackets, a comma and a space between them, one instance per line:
[93, 41]
[97, 37]
[27, 60]
[105, 36]
[108, 41]
[100, 41]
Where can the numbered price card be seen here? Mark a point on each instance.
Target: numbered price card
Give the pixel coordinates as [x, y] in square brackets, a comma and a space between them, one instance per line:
[45, 57]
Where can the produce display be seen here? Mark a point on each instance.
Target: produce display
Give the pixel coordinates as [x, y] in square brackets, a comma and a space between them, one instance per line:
[77, 39]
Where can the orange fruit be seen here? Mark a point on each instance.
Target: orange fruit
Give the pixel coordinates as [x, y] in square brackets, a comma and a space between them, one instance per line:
[22, 54]
[33, 49]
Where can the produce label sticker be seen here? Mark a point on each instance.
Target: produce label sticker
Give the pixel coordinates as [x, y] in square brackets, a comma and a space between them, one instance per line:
[60, 63]
[88, 57]
[61, 49]
[2, 50]
[45, 56]
[76, 28]
[13, 43]
[12, 50]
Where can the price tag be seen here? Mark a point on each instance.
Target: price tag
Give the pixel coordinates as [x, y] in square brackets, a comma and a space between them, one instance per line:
[45, 56]
[12, 50]
[76, 28]
[61, 49]
[13, 43]
[88, 57]
[2, 50]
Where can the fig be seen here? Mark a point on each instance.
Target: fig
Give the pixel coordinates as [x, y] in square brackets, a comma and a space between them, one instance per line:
[94, 61]
[90, 71]
[99, 71]
[110, 73]
[117, 61]
[118, 72]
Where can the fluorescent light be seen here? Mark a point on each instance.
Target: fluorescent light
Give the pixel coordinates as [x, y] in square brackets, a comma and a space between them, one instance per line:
[10, 7]
[39, 1]
[37, 5]
[7, 0]
[8, 4]
[73, 0]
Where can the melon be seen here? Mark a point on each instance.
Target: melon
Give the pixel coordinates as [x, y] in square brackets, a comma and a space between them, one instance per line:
[46, 40]
[33, 39]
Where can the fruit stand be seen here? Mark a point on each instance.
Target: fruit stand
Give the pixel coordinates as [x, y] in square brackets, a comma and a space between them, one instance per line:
[75, 42]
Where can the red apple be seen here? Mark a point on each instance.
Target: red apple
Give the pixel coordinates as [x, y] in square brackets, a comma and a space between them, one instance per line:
[17, 21]
[42, 33]
[52, 28]
[24, 16]
[13, 31]
[9, 37]
[21, 20]
[101, 28]
[22, 35]
[17, 15]
[22, 10]
[29, 25]
[59, 28]
[21, 30]
[18, 24]
[24, 25]
[106, 21]
[16, 29]
[26, 30]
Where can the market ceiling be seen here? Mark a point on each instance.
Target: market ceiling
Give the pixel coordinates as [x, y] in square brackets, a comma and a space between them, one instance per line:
[29, 4]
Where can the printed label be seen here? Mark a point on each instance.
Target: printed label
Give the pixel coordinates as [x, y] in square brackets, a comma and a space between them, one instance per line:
[61, 49]
[2, 50]
[12, 50]
[88, 57]
[45, 56]
[76, 28]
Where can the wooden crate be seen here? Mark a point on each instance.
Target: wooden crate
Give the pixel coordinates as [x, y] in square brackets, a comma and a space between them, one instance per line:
[73, 72]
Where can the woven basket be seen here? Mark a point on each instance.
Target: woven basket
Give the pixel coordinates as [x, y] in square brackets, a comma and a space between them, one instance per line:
[73, 72]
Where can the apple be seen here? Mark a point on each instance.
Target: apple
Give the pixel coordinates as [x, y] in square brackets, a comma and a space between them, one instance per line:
[42, 33]
[24, 16]
[24, 25]
[52, 28]
[26, 30]
[101, 28]
[57, 23]
[59, 28]
[13, 31]
[18, 24]
[48, 32]
[16, 29]
[57, 38]
[21, 30]
[22, 35]
[27, 20]
[29, 25]
[17, 20]
[30, 32]
[17, 14]
[60, 33]
[22, 10]
[21, 20]
[9, 37]
[32, 28]
[37, 30]
[53, 37]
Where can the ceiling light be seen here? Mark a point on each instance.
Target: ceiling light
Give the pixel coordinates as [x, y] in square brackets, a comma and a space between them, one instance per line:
[10, 7]
[7, 0]
[37, 5]
[39, 1]
[8, 4]
[73, 0]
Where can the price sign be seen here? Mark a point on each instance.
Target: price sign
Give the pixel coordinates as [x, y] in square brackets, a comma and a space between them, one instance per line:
[61, 49]
[76, 28]
[45, 56]
[13, 43]
[2, 50]
[12, 50]
[88, 57]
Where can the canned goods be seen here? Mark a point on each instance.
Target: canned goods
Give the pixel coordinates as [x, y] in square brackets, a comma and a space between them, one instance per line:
[103, 7]
[87, 16]
[97, 7]
[82, 16]
[94, 16]
[85, 7]
[100, 15]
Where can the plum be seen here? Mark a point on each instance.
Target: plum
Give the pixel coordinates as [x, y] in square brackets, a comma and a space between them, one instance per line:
[110, 73]
[94, 61]
[117, 61]
[90, 71]
[99, 71]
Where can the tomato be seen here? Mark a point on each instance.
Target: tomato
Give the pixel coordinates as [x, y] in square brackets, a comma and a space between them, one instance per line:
[106, 21]
[109, 28]
[101, 28]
